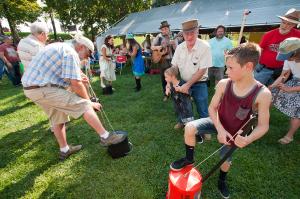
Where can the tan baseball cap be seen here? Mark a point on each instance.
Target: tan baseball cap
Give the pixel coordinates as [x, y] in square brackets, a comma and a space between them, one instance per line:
[287, 48]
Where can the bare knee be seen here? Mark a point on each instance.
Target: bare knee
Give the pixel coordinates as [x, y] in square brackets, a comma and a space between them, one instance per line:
[190, 130]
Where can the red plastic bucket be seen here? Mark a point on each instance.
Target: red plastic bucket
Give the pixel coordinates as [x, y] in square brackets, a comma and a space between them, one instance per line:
[184, 184]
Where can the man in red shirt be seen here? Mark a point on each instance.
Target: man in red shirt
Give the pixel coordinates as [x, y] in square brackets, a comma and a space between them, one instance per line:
[11, 59]
[269, 68]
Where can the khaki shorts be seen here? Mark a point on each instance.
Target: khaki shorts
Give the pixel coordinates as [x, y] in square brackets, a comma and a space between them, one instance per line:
[216, 73]
[59, 103]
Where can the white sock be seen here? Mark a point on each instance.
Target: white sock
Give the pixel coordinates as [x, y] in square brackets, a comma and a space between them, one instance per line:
[104, 135]
[65, 149]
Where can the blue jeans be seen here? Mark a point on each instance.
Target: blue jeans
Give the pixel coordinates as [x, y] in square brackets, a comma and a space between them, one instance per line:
[1, 69]
[264, 75]
[9, 73]
[199, 93]
[206, 126]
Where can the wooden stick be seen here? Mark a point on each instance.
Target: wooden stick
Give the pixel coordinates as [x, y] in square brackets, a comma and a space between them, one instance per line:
[246, 12]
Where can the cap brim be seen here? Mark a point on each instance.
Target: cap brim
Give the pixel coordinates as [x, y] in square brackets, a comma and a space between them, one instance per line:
[282, 57]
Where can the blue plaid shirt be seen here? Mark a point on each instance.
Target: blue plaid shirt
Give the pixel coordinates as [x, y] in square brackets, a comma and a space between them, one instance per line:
[57, 63]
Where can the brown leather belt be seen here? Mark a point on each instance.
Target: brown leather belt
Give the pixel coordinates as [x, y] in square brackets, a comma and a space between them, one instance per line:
[47, 85]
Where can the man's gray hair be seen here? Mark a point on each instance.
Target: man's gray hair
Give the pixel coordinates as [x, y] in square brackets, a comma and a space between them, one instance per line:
[38, 28]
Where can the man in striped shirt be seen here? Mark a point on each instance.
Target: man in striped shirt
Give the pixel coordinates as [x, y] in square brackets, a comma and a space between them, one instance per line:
[54, 68]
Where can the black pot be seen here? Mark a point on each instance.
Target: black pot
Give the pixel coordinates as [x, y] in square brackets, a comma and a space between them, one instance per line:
[120, 149]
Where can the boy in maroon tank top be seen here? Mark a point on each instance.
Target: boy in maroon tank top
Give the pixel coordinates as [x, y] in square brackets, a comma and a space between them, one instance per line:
[235, 99]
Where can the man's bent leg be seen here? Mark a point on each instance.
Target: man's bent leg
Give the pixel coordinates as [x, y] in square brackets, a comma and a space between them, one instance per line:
[106, 138]
[60, 134]
[92, 119]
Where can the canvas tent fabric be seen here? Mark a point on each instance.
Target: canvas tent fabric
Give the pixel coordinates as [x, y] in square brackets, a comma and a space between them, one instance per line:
[210, 14]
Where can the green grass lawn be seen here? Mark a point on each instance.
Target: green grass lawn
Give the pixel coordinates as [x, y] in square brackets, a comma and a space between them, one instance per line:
[29, 166]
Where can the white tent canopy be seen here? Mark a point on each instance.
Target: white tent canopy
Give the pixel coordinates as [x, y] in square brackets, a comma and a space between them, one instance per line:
[210, 14]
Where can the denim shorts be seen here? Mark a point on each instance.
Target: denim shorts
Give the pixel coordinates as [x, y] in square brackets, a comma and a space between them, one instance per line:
[206, 126]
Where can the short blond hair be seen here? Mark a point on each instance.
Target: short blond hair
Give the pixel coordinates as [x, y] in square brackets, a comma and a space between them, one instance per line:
[172, 71]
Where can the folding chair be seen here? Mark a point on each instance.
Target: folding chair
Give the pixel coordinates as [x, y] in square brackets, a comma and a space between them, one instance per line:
[121, 61]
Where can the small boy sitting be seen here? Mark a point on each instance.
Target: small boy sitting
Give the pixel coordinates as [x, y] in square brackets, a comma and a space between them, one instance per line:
[182, 102]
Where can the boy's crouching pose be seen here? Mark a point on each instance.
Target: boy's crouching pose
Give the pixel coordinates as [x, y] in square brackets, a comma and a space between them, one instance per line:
[235, 99]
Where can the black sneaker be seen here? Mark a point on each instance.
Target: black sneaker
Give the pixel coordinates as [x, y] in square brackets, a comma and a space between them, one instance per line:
[199, 139]
[181, 163]
[223, 189]
[72, 150]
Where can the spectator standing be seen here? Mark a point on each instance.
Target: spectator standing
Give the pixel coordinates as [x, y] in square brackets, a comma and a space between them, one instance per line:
[33, 43]
[135, 52]
[107, 65]
[193, 58]
[11, 59]
[147, 52]
[218, 45]
[163, 41]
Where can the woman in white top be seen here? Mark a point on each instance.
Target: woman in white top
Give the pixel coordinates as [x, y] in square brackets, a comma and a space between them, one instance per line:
[286, 93]
[107, 66]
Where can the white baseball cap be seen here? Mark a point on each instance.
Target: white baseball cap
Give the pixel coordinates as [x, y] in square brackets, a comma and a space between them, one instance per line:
[84, 41]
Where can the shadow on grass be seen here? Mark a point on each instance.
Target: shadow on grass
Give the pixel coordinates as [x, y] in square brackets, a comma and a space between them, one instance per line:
[19, 189]
[15, 108]
[21, 141]
[27, 146]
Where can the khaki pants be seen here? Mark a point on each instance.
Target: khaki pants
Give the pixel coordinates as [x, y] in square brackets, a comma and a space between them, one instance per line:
[58, 103]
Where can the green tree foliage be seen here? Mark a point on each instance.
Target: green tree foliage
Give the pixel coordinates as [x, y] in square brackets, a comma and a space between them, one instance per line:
[95, 16]
[17, 12]
[158, 3]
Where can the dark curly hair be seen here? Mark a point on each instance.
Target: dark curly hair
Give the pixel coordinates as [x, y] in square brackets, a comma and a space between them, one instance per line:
[107, 38]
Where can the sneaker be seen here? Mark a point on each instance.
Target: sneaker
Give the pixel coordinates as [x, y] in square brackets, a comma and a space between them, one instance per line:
[181, 163]
[113, 138]
[223, 189]
[178, 126]
[199, 139]
[72, 150]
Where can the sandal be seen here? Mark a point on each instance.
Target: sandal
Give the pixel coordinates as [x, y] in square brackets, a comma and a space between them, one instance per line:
[285, 140]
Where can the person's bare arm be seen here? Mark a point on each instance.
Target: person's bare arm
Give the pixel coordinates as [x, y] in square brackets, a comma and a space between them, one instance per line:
[134, 51]
[263, 102]
[103, 51]
[78, 87]
[282, 78]
[185, 87]
[213, 111]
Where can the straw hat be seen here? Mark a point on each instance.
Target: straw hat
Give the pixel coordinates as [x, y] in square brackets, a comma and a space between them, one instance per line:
[292, 15]
[189, 25]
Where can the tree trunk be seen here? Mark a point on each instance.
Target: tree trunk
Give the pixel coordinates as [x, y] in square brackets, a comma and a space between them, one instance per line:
[1, 29]
[53, 25]
[92, 32]
[11, 23]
